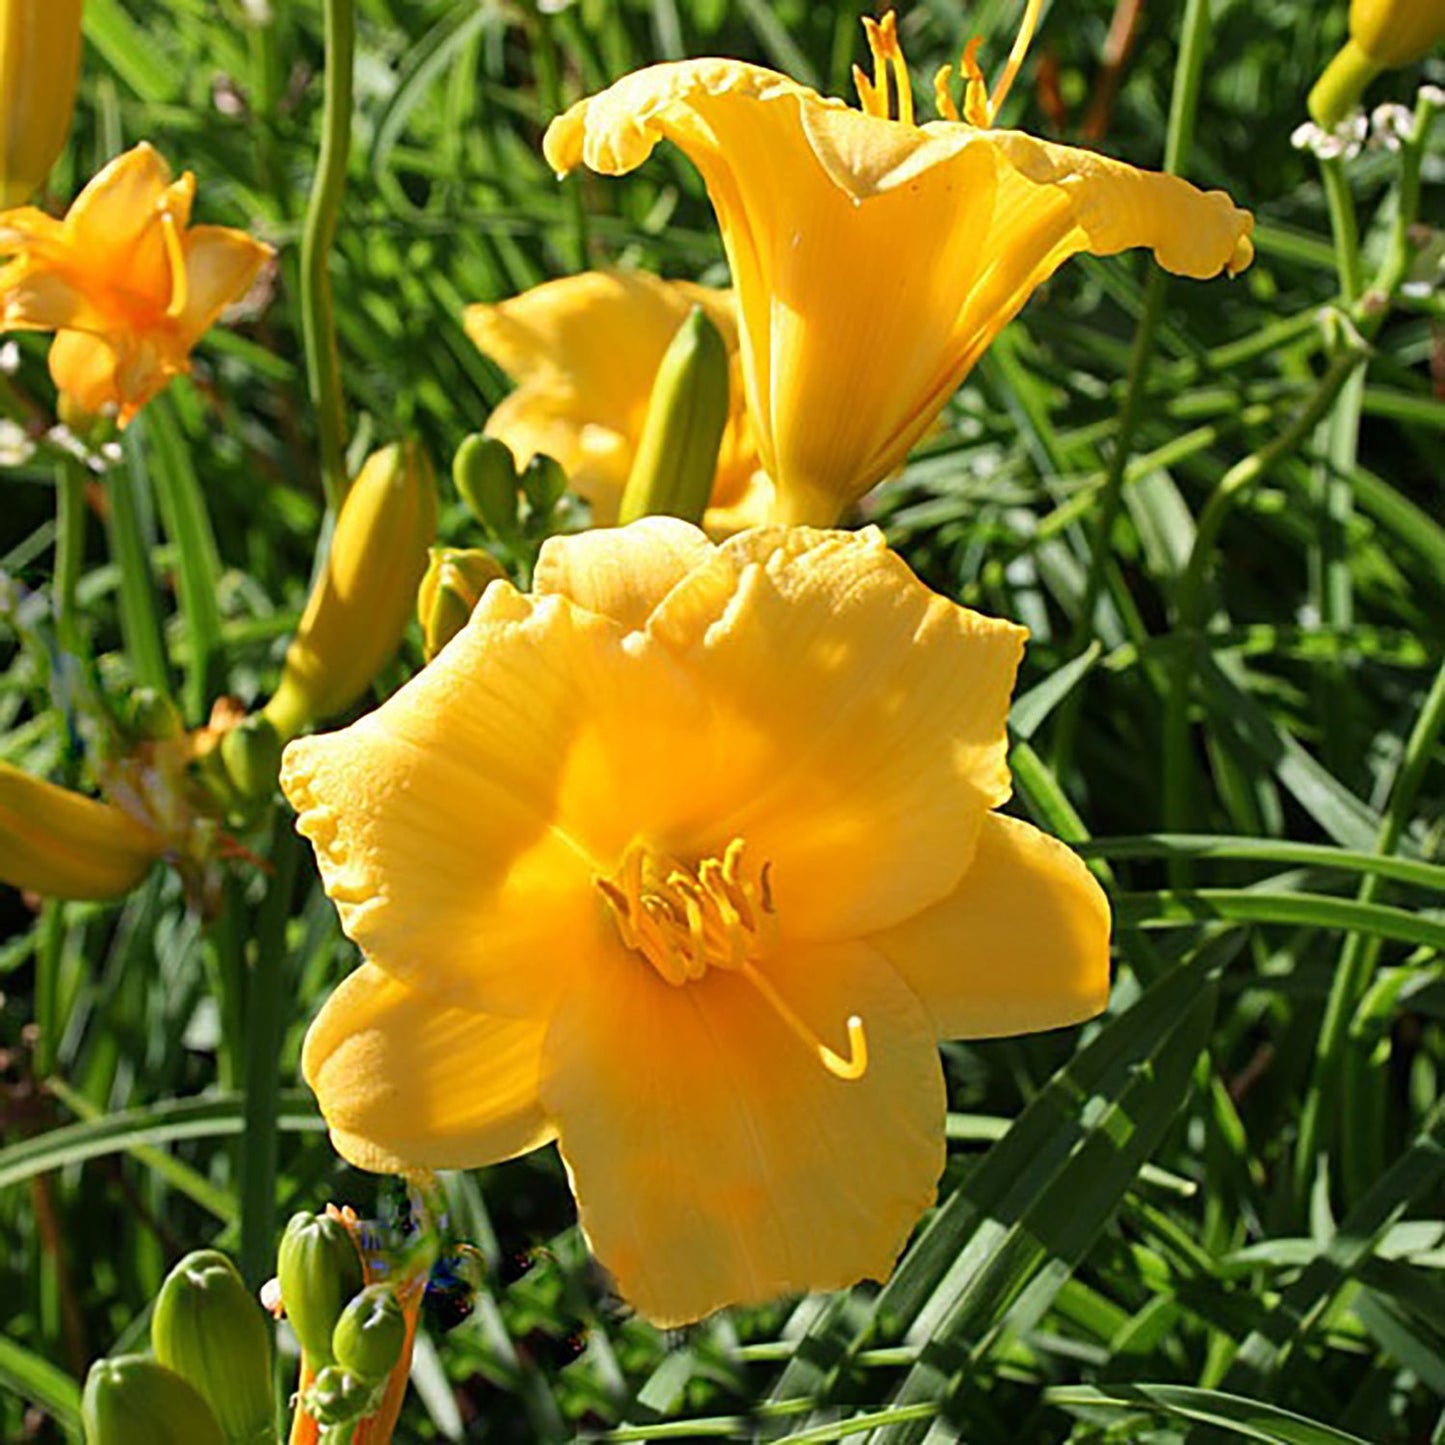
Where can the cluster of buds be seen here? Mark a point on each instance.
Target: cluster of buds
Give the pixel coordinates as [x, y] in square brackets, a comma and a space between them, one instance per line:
[208, 1381]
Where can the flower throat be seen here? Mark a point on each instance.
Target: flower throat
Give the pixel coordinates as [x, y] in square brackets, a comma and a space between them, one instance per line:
[684, 921]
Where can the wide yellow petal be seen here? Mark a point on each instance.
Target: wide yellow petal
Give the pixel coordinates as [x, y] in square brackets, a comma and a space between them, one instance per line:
[221, 263]
[1021, 944]
[406, 1081]
[621, 572]
[714, 1159]
[437, 818]
[858, 716]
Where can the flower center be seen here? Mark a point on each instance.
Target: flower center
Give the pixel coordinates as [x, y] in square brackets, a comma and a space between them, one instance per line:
[719, 914]
[890, 71]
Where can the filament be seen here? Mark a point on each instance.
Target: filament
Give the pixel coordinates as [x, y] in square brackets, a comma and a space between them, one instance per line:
[854, 1066]
[1016, 55]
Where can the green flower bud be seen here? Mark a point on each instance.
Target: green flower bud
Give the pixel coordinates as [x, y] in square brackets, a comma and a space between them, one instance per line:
[455, 580]
[209, 1329]
[543, 483]
[135, 1400]
[485, 474]
[251, 753]
[152, 717]
[676, 460]
[318, 1269]
[369, 1336]
[362, 600]
[337, 1396]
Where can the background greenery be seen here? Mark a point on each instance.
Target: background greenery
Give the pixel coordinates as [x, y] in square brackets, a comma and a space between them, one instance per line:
[1131, 1245]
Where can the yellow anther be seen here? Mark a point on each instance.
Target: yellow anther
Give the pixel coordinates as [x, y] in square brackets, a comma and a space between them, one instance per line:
[976, 108]
[877, 43]
[867, 96]
[875, 96]
[942, 93]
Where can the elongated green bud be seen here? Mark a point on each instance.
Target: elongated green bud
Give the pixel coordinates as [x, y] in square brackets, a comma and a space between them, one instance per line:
[676, 461]
[318, 1270]
[211, 1331]
[369, 1336]
[543, 483]
[59, 844]
[362, 601]
[485, 473]
[455, 579]
[251, 752]
[135, 1400]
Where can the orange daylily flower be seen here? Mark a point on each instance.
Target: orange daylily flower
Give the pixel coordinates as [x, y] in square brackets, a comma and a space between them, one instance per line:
[584, 351]
[876, 258]
[687, 859]
[126, 283]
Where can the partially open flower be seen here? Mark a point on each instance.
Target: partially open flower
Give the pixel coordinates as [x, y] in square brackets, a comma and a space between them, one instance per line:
[127, 284]
[875, 258]
[585, 351]
[686, 860]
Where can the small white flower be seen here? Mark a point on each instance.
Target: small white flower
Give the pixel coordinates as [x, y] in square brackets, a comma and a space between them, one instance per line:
[9, 359]
[1391, 125]
[16, 448]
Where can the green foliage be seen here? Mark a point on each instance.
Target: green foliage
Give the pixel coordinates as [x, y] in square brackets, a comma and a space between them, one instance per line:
[1213, 1215]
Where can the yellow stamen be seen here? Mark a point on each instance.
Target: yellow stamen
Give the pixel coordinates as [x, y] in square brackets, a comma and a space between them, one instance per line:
[684, 921]
[1016, 56]
[175, 253]
[875, 96]
[976, 109]
[942, 96]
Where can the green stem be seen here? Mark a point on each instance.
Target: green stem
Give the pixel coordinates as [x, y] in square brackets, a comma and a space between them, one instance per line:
[140, 618]
[49, 955]
[69, 551]
[266, 1016]
[318, 318]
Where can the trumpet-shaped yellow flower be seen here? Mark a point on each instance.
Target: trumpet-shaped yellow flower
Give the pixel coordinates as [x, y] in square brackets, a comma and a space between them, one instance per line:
[876, 258]
[39, 65]
[585, 351]
[126, 283]
[686, 860]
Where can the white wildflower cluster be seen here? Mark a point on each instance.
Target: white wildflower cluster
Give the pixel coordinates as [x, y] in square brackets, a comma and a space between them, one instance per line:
[1341, 142]
[1391, 125]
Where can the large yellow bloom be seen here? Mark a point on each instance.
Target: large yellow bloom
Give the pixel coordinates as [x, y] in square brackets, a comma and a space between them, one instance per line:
[874, 258]
[126, 283]
[584, 351]
[686, 860]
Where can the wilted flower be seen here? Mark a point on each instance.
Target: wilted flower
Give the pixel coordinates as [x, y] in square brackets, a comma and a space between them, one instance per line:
[126, 283]
[585, 351]
[686, 860]
[876, 258]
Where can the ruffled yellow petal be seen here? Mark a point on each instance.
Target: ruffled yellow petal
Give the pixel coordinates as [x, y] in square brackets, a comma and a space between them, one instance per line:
[405, 1081]
[221, 264]
[1022, 942]
[714, 1160]
[858, 717]
[875, 260]
[621, 572]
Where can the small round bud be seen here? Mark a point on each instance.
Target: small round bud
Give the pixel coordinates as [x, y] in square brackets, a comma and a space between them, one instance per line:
[210, 1331]
[135, 1400]
[336, 1396]
[544, 483]
[251, 753]
[370, 1334]
[319, 1270]
[485, 474]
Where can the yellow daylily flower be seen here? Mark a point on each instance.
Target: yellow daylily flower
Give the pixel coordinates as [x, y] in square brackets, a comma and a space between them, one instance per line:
[126, 283]
[39, 66]
[876, 258]
[686, 860]
[585, 351]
